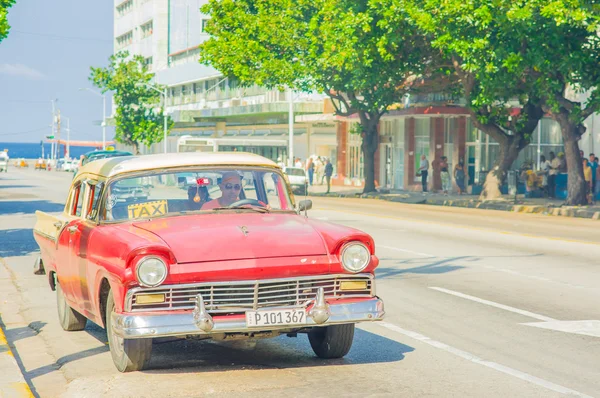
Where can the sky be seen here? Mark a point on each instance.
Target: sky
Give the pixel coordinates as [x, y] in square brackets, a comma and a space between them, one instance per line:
[47, 55]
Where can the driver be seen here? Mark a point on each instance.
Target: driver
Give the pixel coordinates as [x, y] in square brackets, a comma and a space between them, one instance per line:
[231, 185]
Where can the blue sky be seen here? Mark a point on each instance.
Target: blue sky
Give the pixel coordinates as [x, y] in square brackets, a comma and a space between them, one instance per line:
[48, 55]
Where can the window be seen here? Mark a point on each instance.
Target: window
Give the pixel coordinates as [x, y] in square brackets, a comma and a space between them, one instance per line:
[203, 26]
[163, 194]
[124, 8]
[194, 88]
[183, 91]
[125, 39]
[94, 204]
[148, 61]
[147, 29]
[77, 202]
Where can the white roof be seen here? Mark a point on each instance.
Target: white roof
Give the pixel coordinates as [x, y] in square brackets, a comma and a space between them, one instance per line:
[125, 164]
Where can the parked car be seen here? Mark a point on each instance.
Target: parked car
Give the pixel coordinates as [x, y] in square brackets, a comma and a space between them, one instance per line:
[41, 164]
[4, 162]
[298, 179]
[236, 259]
[95, 155]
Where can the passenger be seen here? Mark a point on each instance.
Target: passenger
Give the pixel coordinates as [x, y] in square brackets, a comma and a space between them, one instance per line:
[231, 185]
[197, 197]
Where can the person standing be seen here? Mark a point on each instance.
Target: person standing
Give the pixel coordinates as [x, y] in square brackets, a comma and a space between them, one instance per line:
[587, 174]
[424, 171]
[298, 163]
[445, 175]
[545, 167]
[310, 167]
[328, 174]
[459, 176]
[594, 165]
[555, 165]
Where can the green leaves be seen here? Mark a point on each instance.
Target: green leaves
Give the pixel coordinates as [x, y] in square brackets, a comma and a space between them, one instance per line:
[4, 26]
[139, 118]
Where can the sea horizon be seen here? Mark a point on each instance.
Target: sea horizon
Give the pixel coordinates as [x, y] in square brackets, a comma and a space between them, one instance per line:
[33, 150]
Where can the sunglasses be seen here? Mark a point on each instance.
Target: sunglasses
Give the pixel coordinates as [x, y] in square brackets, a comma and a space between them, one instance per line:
[237, 187]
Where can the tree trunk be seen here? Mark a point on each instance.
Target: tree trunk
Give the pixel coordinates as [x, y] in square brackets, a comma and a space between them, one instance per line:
[509, 151]
[370, 143]
[576, 188]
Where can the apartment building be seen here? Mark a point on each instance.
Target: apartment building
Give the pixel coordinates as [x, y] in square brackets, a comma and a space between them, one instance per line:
[211, 112]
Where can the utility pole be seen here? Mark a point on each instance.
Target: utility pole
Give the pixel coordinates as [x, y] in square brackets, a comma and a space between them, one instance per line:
[57, 139]
[68, 151]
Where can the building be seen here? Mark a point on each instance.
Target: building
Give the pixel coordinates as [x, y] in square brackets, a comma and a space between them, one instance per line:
[212, 112]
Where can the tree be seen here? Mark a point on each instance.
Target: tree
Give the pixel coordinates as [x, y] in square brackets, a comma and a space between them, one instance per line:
[138, 121]
[339, 47]
[533, 50]
[4, 26]
[475, 36]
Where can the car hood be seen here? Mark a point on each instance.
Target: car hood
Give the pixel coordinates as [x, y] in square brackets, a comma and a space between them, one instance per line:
[236, 236]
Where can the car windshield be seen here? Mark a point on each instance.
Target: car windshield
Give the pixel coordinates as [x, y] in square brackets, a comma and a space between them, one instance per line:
[295, 172]
[207, 190]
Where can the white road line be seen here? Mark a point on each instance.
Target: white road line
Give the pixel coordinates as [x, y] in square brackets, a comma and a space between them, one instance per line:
[489, 364]
[405, 251]
[493, 304]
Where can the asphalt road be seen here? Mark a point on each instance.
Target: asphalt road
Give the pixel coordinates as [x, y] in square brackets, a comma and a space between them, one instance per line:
[479, 303]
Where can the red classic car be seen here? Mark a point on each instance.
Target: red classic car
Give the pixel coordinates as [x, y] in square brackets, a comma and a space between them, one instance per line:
[202, 245]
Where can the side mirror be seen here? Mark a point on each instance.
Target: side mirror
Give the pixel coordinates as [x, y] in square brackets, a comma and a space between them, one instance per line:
[305, 205]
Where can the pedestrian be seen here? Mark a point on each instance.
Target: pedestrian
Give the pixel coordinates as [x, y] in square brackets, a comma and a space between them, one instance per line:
[310, 167]
[319, 170]
[445, 175]
[298, 163]
[545, 167]
[423, 172]
[594, 165]
[555, 166]
[280, 162]
[459, 176]
[328, 174]
[587, 175]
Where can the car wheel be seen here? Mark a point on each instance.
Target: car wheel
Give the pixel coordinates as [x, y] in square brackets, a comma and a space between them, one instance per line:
[128, 355]
[69, 319]
[331, 341]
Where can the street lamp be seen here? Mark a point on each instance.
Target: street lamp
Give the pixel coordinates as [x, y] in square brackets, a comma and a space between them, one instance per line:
[164, 94]
[103, 113]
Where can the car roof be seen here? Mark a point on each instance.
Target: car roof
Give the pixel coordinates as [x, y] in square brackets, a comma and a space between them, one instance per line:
[105, 152]
[109, 167]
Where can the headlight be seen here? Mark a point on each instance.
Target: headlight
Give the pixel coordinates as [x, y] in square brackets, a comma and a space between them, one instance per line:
[151, 271]
[355, 257]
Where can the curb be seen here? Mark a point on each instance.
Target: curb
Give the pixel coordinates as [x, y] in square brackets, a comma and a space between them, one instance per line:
[574, 212]
[12, 382]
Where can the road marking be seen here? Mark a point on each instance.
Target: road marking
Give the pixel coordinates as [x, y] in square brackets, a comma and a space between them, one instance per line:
[405, 251]
[586, 328]
[12, 382]
[493, 304]
[489, 364]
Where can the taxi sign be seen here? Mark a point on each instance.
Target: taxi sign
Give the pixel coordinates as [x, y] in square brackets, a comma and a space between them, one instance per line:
[148, 209]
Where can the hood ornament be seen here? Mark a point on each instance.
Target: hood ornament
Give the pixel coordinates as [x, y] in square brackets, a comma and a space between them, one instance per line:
[244, 230]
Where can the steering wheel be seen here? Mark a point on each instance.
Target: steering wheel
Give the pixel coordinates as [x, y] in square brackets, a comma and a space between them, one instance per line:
[252, 202]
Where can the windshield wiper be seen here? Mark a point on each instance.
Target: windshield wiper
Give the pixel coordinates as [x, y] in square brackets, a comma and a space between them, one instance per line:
[244, 207]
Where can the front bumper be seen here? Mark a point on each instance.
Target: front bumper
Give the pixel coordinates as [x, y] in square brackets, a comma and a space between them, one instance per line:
[198, 322]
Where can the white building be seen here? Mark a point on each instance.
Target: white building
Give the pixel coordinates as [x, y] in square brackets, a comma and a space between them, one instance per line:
[212, 112]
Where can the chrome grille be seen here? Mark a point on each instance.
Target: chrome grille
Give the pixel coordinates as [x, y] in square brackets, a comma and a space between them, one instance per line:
[238, 297]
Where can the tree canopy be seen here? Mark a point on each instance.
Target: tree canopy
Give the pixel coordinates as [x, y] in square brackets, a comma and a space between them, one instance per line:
[4, 26]
[342, 48]
[138, 121]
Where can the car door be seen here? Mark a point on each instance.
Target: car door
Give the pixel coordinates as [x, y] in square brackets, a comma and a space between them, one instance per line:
[81, 246]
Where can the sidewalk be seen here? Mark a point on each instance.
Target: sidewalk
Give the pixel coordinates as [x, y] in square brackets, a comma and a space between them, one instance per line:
[551, 207]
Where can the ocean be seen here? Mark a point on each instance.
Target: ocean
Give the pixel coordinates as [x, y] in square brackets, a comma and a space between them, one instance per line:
[31, 150]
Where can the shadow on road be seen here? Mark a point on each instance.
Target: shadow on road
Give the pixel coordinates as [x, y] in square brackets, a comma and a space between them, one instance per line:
[17, 242]
[15, 186]
[188, 356]
[21, 333]
[29, 207]
[439, 266]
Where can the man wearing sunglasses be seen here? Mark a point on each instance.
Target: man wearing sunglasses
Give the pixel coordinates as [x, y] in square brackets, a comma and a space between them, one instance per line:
[231, 185]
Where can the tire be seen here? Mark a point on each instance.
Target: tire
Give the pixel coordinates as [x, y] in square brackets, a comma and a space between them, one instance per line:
[331, 341]
[69, 319]
[129, 355]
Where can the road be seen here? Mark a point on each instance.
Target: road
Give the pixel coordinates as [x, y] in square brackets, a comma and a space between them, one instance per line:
[479, 303]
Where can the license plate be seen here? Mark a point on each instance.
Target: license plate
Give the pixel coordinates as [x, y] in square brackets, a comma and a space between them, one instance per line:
[275, 318]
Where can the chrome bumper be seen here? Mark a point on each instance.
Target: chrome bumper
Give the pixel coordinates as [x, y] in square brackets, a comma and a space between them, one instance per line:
[199, 322]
